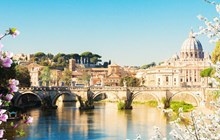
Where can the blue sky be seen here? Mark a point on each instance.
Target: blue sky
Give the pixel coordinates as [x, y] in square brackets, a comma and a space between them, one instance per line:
[128, 32]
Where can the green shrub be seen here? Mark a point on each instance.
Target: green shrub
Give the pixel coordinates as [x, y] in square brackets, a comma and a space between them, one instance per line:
[121, 105]
[175, 105]
[152, 103]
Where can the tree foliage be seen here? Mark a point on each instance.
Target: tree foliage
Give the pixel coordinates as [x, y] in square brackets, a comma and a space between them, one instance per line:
[85, 77]
[131, 81]
[23, 75]
[45, 76]
[62, 59]
[206, 72]
[148, 65]
[216, 53]
[86, 56]
[7, 73]
[67, 77]
[39, 54]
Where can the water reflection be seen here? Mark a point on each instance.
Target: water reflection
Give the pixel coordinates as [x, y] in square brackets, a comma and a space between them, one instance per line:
[105, 122]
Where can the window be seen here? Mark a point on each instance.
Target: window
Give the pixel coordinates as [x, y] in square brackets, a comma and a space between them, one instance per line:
[167, 79]
[158, 81]
[174, 79]
[181, 80]
[187, 80]
[195, 79]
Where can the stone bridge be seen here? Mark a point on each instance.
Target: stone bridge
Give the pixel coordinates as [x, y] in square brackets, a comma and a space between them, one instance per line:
[189, 95]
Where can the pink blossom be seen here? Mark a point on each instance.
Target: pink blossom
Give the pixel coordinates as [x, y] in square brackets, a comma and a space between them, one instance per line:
[2, 133]
[13, 82]
[4, 117]
[9, 54]
[16, 33]
[6, 62]
[14, 88]
[8, 97]
[13, 85]
[2, 111]
[15, 126]
[29, 120]
[0, 101]
[1, 45]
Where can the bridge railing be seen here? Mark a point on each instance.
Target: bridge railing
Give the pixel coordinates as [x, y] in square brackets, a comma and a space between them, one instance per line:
[61, 88]
[44, 88]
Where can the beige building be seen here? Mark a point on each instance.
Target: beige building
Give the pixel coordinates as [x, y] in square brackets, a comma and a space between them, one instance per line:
[105, 76]
[56, 76]
[34, 70]
[181, 70]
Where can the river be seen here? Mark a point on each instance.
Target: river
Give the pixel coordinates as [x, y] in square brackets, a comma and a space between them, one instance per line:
[105, 122]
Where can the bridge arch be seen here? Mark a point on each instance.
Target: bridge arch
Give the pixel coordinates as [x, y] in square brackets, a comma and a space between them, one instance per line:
[71, 97]
[18, 98]
[190, 94]
[99, 96]
[137, 94]
[113, 96]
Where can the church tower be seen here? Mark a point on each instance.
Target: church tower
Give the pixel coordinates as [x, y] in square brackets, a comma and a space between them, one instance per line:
[72, 64]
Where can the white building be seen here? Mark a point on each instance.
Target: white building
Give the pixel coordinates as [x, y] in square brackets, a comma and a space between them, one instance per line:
[181, 70]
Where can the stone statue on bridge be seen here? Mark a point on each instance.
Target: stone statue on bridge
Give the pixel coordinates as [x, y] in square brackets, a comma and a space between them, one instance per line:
[125, 83]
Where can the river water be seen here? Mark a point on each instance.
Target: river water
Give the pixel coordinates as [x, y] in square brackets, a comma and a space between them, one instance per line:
[105, 122]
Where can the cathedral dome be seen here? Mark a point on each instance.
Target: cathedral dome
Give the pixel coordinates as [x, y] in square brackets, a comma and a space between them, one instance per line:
[191, 44]
[191, 49]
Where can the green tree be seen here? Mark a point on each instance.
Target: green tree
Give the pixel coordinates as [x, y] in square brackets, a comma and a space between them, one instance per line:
[86, 78]
[146, 66]
[50, 56]
[216, 53]
[105, 64]
[77, 57]
[206, 72]
[39, 54]
[23, 75]
[43, 62]
[7, 73]
[160, 63]
[86, 57]
[95, 59]
[67, 77]
[131, 81]
[55, 58]
[45, 76]
[61, 60]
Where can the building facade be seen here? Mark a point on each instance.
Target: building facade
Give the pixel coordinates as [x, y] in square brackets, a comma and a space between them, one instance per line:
[181, 70]
[34, 70]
